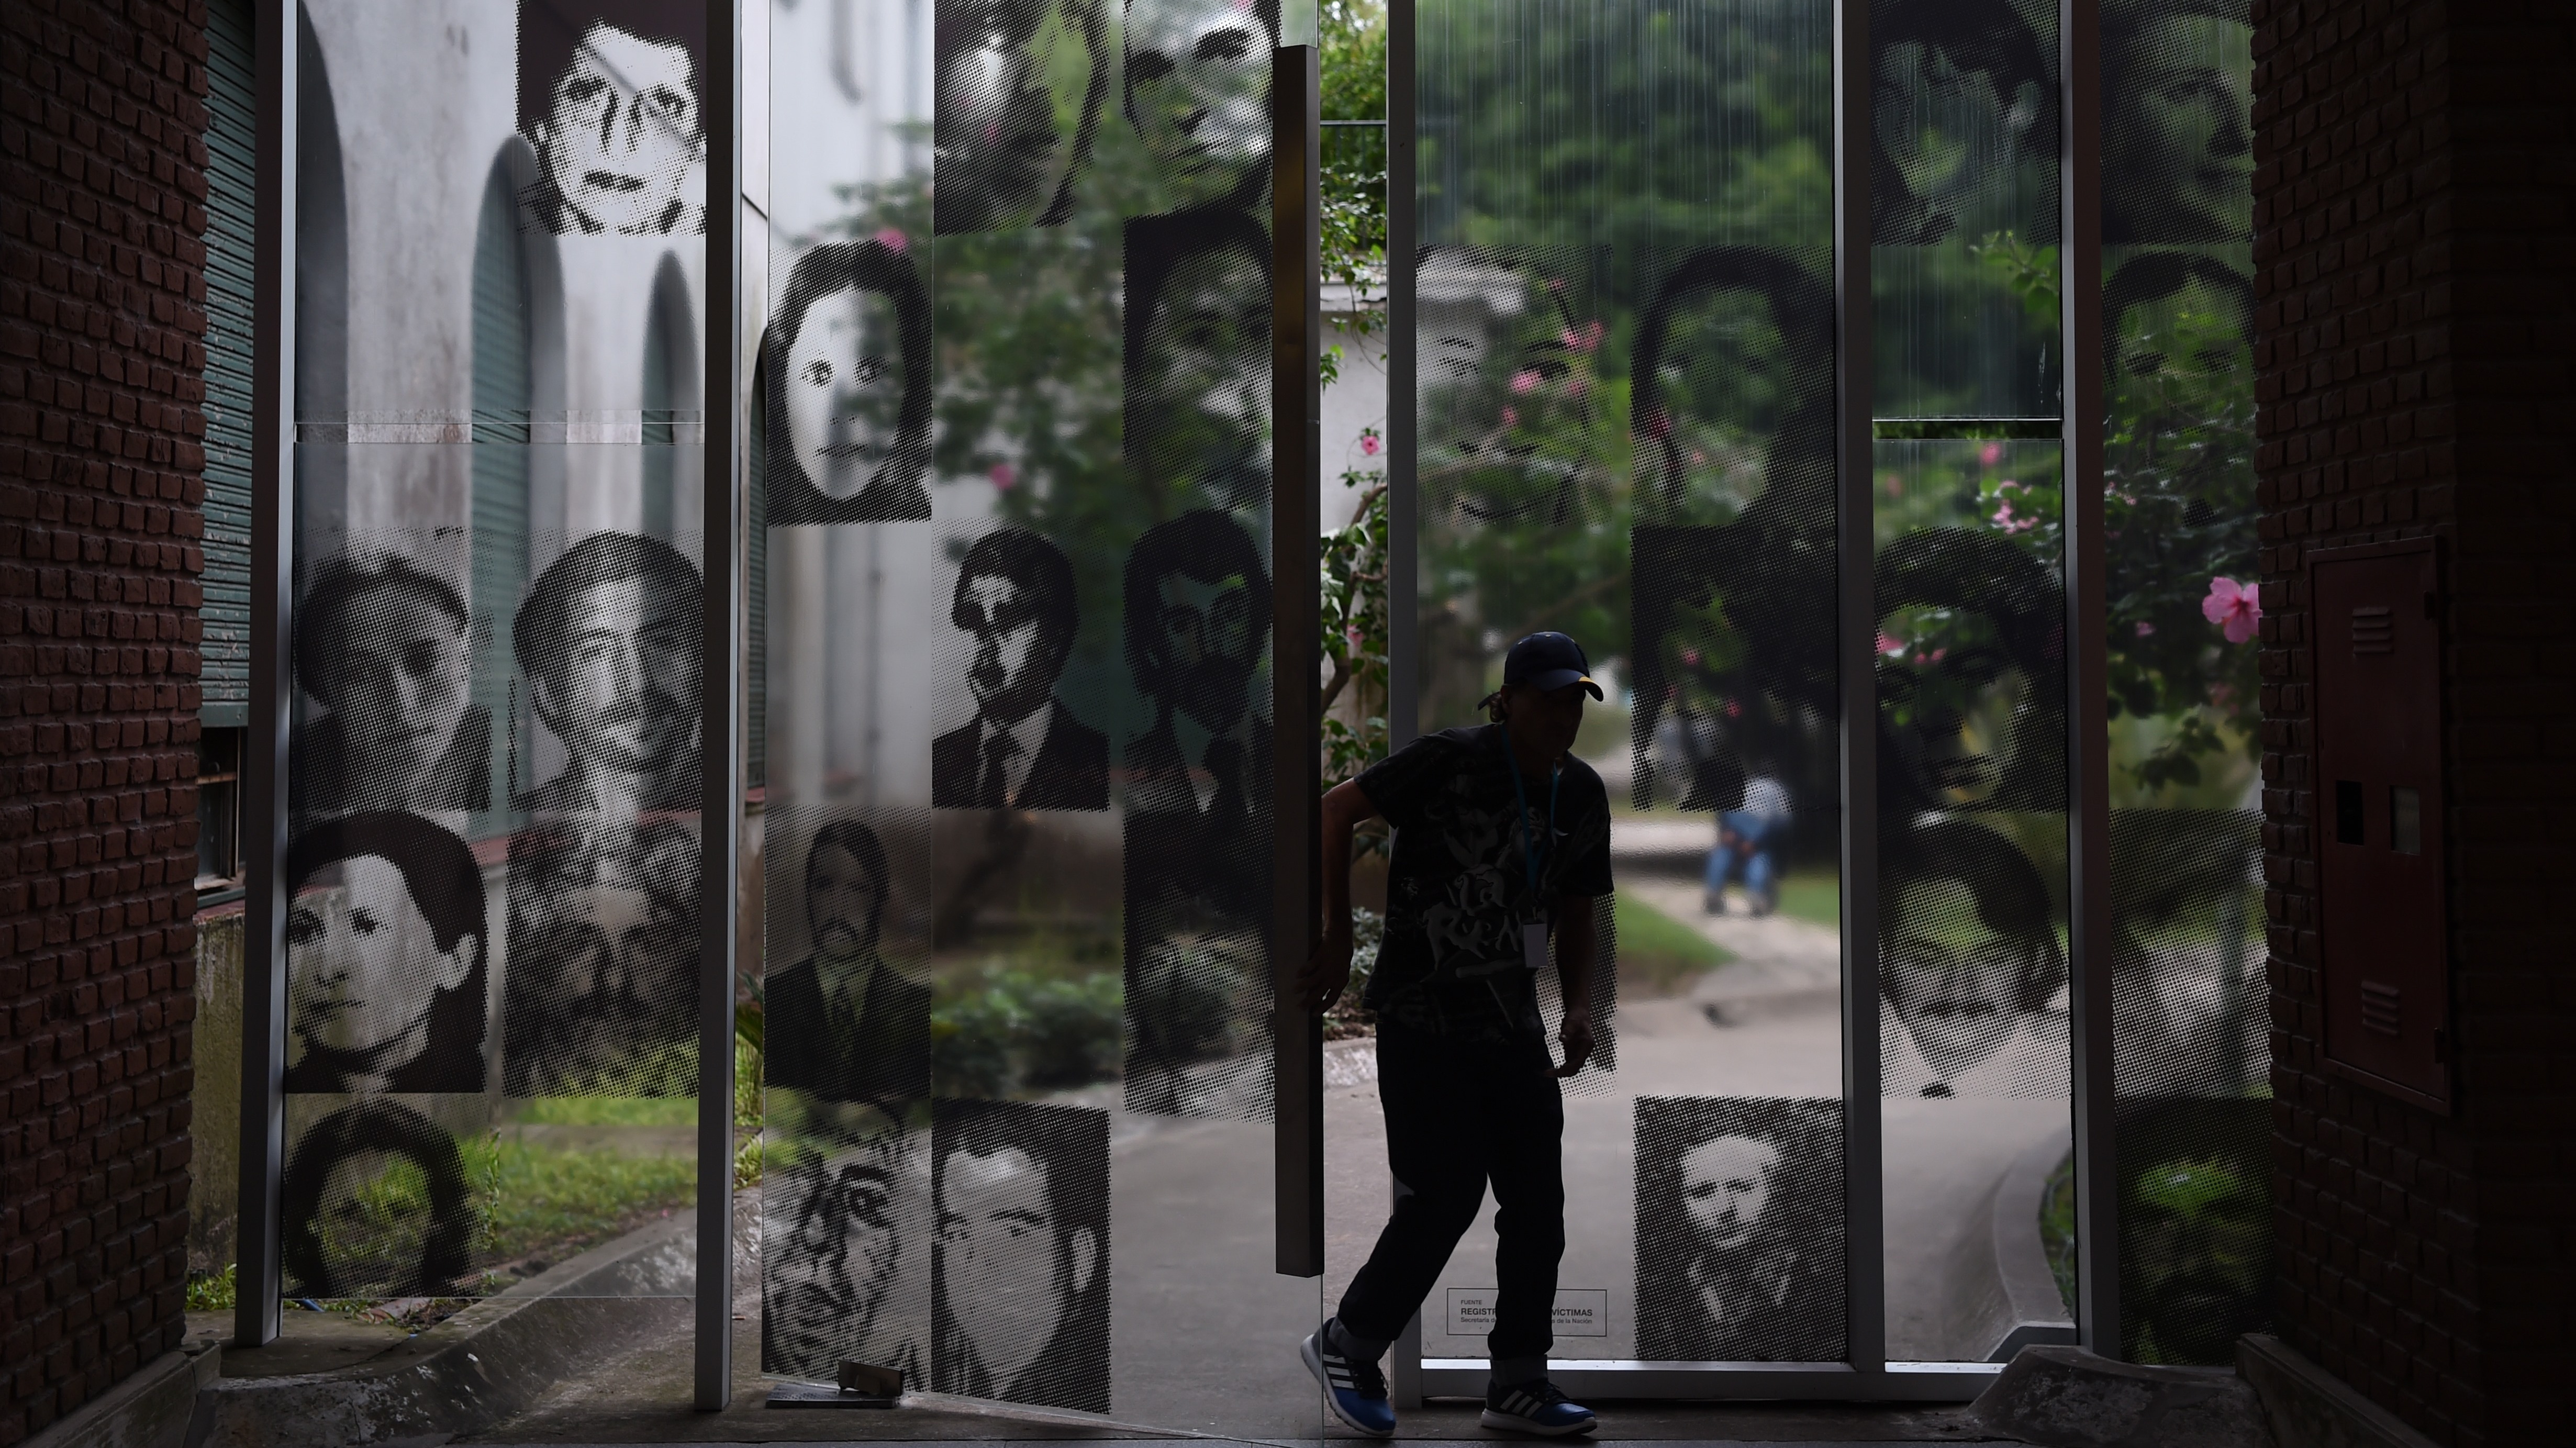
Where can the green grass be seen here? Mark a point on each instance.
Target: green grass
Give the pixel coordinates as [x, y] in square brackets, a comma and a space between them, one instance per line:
[555, 1203]
[608, 1111]
[1659, 952]
[212, 1291]
[1813, 896]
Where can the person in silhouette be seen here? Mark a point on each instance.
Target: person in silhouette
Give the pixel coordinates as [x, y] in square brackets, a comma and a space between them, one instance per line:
[1023, 749]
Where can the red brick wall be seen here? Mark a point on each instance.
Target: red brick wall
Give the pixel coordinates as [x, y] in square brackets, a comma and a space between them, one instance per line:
[102, 298]
[2416, 171]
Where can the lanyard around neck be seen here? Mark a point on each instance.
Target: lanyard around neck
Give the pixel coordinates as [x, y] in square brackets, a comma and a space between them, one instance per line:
[1520, 796]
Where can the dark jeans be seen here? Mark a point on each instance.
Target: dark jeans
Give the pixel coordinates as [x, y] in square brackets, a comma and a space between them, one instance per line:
[1460, 1113]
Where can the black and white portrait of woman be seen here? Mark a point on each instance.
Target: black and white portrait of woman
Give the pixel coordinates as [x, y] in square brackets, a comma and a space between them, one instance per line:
[2177, 122]
[385, 937]
[1739, 1230]
[848, 374]
[1021, 1270]
[1963, 98]
[609, 97]
[376, 1204]
[1017, 93]
[1198, 93]
[385, 646]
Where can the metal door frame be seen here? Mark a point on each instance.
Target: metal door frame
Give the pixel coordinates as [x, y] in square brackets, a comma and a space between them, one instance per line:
[1867, 1374]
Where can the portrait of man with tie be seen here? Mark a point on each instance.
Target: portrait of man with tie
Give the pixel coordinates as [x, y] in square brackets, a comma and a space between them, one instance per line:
[1023, 749]
[842, 1025]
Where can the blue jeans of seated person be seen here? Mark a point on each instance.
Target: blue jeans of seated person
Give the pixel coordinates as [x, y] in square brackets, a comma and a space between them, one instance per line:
[1764, 834]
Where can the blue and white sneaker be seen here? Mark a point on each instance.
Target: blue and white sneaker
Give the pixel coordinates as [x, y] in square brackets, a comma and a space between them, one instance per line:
[1356, 1390]
[1536, 1407]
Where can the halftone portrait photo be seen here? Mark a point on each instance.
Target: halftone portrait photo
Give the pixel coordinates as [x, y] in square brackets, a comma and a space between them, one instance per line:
[1021, 1302]
[376, 1205]
[1017, 93]
[1972, 980]
[1739, 1230]
[386, 948]
[1197, 364]
[842, 1024]
[1014, 604]
[601, 995]
[1198, 93]
[1197, 829]
[385, 646]
[608, 638]
[848, 373]
[1964, 94]
[2177, 122]
[609, 95]
[845, 1261]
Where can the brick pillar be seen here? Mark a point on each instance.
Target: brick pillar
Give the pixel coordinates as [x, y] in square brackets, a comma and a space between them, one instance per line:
[102, 319]
[2417, 350]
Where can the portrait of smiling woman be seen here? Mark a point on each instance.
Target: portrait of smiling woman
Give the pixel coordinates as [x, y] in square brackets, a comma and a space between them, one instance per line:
[385, 938]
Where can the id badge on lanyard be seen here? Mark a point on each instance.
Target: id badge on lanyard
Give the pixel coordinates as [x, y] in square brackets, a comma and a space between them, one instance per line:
[1534, 932]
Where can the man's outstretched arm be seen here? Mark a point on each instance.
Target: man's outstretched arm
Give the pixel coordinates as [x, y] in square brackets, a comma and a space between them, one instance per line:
[1576, 942]
[1328, 968]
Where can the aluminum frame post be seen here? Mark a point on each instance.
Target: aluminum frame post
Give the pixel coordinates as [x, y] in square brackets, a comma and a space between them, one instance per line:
[1296, 620]
[1403, 246]
[272, 614]
[2088, 817]
[1856, 658]
[720, 695]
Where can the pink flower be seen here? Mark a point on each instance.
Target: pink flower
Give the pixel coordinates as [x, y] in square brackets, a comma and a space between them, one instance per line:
[1003, 476]
[1991, 454]
[1894, 485]
[1369, 443]
[1698, 457]
[892, 240]
[2233, 607]
[1691, 657]
[1578, 387]
[1889, 646]
[2145, 628]
[1734, 710]
[1586, 340]
[1511, 417]
[1523, 381]
[2007, 485]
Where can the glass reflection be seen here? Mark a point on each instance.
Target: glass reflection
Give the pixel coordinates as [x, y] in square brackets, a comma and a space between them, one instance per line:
[1017, 94]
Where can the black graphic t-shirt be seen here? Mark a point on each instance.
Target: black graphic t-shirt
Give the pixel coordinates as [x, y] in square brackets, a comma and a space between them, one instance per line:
[1458, 889]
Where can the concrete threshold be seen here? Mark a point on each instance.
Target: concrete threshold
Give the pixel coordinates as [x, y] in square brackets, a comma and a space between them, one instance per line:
[475, 1368]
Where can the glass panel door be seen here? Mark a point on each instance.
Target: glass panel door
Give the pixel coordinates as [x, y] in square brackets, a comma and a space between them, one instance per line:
[1014, 393]
[1623, 332]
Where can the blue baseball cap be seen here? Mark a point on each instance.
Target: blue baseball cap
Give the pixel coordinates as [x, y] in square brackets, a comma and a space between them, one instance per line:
[1548, 661]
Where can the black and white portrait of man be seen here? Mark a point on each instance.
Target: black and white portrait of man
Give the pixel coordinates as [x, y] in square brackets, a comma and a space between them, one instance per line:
[608, 638]
[376, 1204]
[1739, 1230]
[845, 1267]
[1017, 93]
[385, 939]
[386, 647]
[600, 995]
[1970, 707]
[1197, 624]
[1197, 362]
[848, 377]
[609, 97]
[1969, 967]
[842, 1024]
[1963, 98]
[1198, 93]
[1020, 1304]
[1014, 601]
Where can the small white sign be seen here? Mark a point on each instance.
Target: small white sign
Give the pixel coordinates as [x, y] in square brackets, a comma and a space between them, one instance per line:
[1580, 1311]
